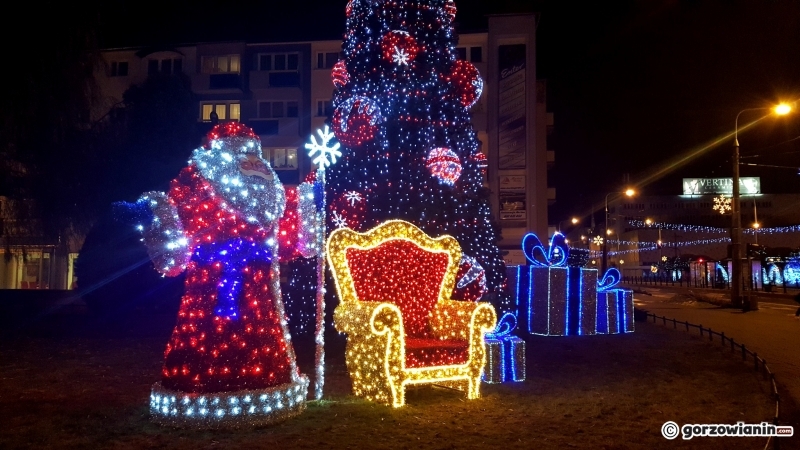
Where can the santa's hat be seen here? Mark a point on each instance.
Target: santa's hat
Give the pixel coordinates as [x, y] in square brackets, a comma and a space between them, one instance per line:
[234, 134]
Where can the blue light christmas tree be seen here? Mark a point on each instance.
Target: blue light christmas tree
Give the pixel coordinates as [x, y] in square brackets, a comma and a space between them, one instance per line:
[409, 150]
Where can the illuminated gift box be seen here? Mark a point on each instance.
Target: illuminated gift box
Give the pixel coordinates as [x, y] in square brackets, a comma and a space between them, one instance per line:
[553, 299]
[614, 306]
[505, 354]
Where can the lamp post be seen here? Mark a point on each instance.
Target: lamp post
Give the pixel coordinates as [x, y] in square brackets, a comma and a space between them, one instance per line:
[738, 298]
[604, 264]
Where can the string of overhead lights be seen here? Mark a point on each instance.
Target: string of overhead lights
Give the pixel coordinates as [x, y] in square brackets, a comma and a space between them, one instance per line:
[704, 229]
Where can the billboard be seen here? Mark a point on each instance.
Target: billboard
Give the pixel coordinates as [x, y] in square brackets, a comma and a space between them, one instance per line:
[700, 186]
[512, 197]
[512, 132]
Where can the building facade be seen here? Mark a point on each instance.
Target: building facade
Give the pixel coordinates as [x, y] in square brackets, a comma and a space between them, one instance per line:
[283, 91]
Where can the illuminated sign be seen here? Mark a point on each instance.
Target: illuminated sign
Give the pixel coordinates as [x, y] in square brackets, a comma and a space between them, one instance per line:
[700, 186]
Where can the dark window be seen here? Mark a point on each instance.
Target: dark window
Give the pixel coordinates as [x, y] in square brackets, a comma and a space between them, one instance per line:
[331, 59]
[122, 69]
[166, 66]
[292, 109]
[292, 61]
[320, 61]
[476, 54]
[264, 110]
[284, 79]
[277, 109]
[280, 62]
[324, 108]
[177, 65]
[152, 67]
[265, 62]
[224, 81]
[462, 53]
[265, 127]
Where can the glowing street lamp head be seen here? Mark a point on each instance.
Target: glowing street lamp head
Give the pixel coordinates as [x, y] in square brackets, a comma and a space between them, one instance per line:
[648, 222]
[630, 192]
[782, 109]
[756, 225]
[574, 220]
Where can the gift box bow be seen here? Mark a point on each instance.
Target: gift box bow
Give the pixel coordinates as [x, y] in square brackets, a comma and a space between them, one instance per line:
[610, 279]
[504, 327]
[554, 256]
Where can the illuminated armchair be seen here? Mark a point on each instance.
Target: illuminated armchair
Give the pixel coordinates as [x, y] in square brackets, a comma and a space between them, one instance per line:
[394, 283]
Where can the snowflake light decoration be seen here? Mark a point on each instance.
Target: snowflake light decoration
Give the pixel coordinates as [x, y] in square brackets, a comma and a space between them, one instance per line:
[664, 258]
[324, 148]
[722, 204]
[352, 197]
[400, 56]
[338, 220]
[598, 240]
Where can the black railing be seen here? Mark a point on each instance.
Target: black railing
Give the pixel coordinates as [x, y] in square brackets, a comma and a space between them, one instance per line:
[759, 364]
[664, 280]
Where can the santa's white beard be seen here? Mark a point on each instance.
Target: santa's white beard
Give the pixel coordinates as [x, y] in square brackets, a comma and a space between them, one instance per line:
[255, 198]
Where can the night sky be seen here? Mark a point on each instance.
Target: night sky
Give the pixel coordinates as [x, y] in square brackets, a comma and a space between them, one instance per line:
[632, 84]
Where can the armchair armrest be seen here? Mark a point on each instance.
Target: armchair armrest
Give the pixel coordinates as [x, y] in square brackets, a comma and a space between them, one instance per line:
[451, 319]
[358, 317]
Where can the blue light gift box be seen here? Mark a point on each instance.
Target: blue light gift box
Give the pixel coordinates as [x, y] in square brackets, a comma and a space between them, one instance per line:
[614, 306]
[552, 298]
[505, 353]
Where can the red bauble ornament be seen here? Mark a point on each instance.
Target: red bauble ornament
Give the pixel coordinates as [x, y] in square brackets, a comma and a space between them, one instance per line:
[450, 10]
[480, 160]
[355, 121]
[348, 10]
[444, 165]
[349, 210]
[466, 82]
[339, 74]
[470, 280]
[399, 48]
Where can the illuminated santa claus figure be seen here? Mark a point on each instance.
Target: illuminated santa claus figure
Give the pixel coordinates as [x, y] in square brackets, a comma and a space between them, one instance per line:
[230, 359]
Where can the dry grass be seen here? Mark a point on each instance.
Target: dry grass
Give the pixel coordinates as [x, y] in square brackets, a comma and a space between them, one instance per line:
[603, 392]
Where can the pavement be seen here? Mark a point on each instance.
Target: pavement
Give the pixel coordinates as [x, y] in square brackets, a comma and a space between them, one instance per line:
[773, 331]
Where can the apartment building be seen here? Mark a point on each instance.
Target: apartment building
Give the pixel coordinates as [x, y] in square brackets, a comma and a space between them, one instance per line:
[283, 91]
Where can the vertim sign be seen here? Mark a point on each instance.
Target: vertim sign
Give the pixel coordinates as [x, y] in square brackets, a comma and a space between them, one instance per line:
[700, 186]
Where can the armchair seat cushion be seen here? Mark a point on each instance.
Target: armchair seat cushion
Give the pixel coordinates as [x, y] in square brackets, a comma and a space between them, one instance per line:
[435, 352]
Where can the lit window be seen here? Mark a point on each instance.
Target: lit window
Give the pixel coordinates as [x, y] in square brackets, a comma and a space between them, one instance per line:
[282, 158]
[220, 64]
[225, 111]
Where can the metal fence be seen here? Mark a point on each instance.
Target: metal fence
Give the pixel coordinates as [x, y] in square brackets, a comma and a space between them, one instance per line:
[663, 280]
[759, 364]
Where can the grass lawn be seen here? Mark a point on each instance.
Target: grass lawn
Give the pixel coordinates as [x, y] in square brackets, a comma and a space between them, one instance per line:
[90, 389]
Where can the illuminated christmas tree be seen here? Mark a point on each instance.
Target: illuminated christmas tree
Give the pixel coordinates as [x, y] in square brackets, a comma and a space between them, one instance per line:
[410, 152]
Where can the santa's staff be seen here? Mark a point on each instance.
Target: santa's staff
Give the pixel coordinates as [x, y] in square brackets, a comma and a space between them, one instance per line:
[324, 155]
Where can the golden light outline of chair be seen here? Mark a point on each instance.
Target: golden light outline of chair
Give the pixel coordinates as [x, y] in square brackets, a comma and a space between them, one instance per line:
[376, 345]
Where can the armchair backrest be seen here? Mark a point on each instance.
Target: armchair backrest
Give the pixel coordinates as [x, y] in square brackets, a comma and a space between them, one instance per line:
[395, 262]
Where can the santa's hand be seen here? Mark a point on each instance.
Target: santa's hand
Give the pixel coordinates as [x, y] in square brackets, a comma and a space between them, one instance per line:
[167, 244]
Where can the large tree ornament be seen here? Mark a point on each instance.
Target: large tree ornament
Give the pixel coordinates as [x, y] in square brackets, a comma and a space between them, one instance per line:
[355, 121]
[444, 165]
[466, 82]
[349, 210]
[339, 75]
[470, 280]
[399, 48]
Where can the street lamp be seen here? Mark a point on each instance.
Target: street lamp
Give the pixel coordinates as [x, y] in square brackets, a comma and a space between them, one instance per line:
[630, 193]
[737, 283]
[574, 221]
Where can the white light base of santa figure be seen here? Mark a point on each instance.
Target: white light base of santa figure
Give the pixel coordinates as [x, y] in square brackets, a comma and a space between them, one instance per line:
[239, 409]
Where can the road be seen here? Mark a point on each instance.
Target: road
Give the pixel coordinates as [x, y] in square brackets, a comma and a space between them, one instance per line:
[773, 331]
